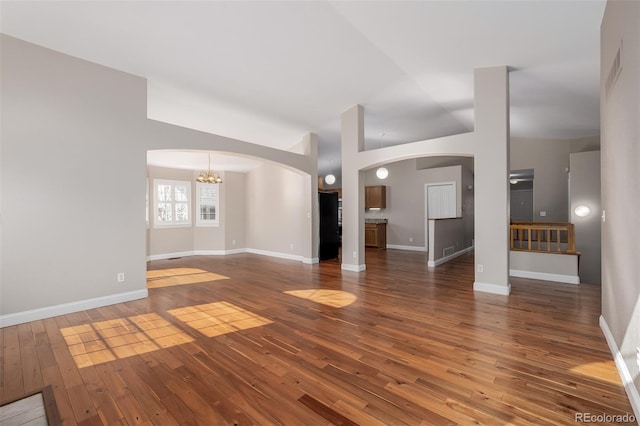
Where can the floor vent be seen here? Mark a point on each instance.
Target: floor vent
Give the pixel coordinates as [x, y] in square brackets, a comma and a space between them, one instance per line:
[448, 251]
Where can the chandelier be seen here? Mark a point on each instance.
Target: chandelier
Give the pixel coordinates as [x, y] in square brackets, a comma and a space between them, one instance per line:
[209, 176]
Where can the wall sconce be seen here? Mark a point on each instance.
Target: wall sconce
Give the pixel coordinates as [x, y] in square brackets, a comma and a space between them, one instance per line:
[582, 210]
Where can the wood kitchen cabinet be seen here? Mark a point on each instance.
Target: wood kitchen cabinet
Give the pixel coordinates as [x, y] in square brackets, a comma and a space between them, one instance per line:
[375, 197]
[375, 235]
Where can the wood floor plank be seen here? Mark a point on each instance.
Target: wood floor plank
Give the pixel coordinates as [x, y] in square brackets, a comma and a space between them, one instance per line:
[412, 345]
[13, 382]
[31, 374]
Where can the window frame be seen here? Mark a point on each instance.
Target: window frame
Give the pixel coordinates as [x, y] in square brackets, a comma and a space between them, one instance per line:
[200, 222]
[156, 202]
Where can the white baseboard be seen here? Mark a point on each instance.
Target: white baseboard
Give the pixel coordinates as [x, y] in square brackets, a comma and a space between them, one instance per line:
[235, 251]
[67, 308]
[410, 248]
[209, 252]
[492, 288]
[353, 268]
[623, 370]
[164, 256]
[445, 259]
[275, 254]
[569, 279]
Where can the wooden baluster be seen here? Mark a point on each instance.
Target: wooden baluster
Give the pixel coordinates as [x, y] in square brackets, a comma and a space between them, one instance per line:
[520, 236]
[559, 247]
[548, 239]
[529, 238]
[511, 237]
[538, 240]
[571, 239]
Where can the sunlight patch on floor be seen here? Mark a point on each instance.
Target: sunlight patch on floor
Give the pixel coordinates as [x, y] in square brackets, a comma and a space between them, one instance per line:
[601, 370]
[104, 341]
[215, 319]
[333, 298]
[180, 276]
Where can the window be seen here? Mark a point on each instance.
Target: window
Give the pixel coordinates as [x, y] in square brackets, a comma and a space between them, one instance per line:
[172, 201]
[207, 204]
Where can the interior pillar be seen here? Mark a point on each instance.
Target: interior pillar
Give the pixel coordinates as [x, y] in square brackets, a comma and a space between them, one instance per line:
[492, 180]
[312, 224]
[352, 190]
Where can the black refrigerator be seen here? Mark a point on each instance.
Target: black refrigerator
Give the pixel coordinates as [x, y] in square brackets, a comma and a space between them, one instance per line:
[329, 233]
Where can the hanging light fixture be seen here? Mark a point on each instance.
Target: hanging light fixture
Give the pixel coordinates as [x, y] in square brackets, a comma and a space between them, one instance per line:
[330, 179]
[209, 176]
[382, 171]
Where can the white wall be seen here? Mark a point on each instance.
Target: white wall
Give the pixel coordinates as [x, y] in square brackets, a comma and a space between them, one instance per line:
[544, 266]
[585, 190]
[67, 236]
[275, 215]
[73, 179]
[620, 130]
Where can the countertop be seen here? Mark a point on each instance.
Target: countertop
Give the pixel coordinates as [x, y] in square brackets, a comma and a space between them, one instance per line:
[375, 221]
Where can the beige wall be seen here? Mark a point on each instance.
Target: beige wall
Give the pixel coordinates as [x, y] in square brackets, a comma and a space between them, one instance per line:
[585, 190]
[70, 235]
[550, 161]
[275, 215]
[447, 233]
[234, 210]
[405, 187]
[81, 126]
[620, 127]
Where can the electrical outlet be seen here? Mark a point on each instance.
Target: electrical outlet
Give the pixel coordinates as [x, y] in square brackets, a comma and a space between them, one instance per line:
[480, 267]
[291, 246]
[543, 213]
[233, 242]
[120, 277]
[355, 254]
[410, 239]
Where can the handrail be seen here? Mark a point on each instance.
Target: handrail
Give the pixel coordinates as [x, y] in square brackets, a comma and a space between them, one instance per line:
[542, 236]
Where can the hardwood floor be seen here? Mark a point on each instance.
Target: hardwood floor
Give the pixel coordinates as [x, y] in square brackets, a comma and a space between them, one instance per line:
[246, 339]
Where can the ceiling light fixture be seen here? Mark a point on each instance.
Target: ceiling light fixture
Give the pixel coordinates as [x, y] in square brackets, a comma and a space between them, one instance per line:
[382, 171]
[330, 179]
[209, 176]
[513, 181]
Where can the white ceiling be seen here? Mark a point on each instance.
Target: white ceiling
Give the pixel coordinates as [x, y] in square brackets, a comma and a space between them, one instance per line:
[269, 72]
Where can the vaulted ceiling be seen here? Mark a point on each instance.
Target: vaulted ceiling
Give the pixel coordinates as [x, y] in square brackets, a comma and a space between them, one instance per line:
[268, 72]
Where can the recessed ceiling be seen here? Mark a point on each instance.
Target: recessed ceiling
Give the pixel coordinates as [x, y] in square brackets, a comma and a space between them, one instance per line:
[269, 72]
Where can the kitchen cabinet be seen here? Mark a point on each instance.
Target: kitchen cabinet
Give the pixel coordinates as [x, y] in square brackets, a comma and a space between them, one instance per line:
[375, 197]
[375, 235]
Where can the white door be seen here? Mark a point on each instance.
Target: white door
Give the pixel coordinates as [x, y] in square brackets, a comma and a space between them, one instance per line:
[440, 202]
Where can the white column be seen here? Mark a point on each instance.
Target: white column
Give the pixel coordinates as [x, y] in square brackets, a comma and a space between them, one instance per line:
[352, 190]
[492, 180]
[312, 219]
